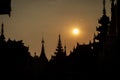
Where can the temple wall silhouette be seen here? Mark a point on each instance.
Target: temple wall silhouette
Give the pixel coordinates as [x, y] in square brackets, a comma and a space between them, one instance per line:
[101, 55]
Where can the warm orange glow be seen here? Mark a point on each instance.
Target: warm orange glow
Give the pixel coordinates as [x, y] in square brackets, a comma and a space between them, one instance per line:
[75, 31]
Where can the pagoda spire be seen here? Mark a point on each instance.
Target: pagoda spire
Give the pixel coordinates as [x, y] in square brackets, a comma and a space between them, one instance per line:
[43, 50]
[112, 28]
[102, 30]
[43, 58]
[2, 37]
[60, 53]
[59, 46]
[104, 9]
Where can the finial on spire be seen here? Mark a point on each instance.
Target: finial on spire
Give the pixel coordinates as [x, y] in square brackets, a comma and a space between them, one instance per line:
[43, 59]
[42, 40]
[104, 9]
[59, 42]
[42, 49]
[59, 46]
[59, 36]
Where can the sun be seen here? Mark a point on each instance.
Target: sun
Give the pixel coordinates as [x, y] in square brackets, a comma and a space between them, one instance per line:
[75, 31]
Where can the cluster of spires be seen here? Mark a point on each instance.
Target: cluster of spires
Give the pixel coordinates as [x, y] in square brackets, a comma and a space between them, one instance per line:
[99, 37]
[92, 57]
[42, 55]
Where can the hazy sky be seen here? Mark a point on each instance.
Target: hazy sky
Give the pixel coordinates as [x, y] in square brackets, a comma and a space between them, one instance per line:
[32, 19]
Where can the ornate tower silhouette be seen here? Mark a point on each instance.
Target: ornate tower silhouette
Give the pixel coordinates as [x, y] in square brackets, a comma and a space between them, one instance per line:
[103, 28]
[43, 59]
[59, 50]
[2, 37]
[102, 32]
[113, 25]
[59, 46]
[60, 54]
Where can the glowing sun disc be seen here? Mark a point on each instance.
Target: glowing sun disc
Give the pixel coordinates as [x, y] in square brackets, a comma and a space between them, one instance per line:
[75, 31]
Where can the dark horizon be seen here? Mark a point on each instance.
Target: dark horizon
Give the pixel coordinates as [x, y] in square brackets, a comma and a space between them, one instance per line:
[30, 20]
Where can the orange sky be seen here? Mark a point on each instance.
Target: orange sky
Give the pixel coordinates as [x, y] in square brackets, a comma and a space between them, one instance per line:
[32, 19]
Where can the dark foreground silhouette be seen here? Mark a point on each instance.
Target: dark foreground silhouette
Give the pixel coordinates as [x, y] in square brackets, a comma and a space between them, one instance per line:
[100, 59]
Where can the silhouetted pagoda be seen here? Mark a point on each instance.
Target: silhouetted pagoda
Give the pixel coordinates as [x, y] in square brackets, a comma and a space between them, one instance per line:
[58, 62]
[60, 53]
[111, 49]
[14, 57]
[43, 59]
